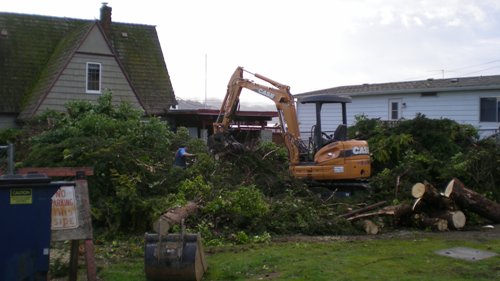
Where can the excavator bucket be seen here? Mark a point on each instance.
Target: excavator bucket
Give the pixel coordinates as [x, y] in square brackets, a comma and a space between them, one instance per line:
[174, 257]
[222, 144]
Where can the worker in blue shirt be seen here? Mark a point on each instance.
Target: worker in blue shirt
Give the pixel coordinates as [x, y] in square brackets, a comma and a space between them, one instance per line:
[180, 157]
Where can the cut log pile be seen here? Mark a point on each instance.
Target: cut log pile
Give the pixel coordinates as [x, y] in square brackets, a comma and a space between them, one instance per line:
[431, 209]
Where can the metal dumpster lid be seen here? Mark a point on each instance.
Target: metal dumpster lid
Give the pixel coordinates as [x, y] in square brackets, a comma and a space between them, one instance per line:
[27, 178]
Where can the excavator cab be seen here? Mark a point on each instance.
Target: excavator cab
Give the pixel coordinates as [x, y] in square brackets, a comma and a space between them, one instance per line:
[334, 157]
[319, 138]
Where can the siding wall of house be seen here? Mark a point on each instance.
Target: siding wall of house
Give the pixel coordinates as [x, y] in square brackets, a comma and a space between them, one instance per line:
[7, 121]
[71, 85]
[95, 43]
[462, 107]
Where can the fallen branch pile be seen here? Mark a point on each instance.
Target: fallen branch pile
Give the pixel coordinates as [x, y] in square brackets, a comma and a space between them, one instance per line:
[431, 209]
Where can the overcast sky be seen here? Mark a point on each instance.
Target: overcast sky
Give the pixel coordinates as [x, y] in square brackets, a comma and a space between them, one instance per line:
[309, 45]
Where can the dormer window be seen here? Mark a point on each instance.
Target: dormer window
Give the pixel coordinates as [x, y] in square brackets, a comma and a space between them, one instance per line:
[93, 78]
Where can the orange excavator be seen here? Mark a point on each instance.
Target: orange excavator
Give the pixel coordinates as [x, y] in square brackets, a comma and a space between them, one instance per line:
[327, 159]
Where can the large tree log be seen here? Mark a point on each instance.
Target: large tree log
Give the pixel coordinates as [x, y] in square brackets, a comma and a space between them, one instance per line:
[473, 201]
[417, 205]
[434, 223]
[429, 194]
[425, 191]
[455, 219]
[172, 217]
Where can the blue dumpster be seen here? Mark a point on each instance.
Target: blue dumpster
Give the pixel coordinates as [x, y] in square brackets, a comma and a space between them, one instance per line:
[25, 212]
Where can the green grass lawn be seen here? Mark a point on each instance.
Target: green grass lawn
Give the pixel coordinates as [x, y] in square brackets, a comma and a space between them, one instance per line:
[388, 259]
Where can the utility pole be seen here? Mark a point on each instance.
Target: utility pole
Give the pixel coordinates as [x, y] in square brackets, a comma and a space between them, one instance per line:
[206, 78]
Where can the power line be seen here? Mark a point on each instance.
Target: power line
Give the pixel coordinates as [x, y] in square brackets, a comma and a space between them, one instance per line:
[423, 76]
[476, 65]
[443, 71]
[484, 69]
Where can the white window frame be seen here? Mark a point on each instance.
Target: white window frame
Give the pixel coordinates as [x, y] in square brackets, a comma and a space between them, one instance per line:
[92, 91]
[399, 103]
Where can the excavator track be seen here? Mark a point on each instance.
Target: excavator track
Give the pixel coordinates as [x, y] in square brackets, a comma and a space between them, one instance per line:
[339, 188]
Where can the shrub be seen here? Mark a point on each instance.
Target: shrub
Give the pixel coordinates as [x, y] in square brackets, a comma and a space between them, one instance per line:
[433, 150]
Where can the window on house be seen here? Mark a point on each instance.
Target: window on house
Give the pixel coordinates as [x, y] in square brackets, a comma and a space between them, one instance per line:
[489, 110]
[394, 109]
[93, 78]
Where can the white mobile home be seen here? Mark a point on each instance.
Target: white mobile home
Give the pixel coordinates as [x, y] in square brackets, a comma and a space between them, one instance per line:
[467, 100]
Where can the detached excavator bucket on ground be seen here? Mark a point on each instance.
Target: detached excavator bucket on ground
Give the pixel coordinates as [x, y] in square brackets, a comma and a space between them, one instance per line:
[178, 257]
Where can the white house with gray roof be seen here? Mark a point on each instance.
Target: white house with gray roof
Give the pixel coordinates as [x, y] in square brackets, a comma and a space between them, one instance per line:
[467, 100]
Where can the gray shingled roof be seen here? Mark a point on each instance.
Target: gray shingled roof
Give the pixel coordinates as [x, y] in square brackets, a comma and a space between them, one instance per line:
[34, 49]
[141, 55]
[421, 86]
[49, 74]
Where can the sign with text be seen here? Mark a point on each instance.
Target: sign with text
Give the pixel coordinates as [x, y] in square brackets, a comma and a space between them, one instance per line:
[71, 213]
[21, 196]
[64, 209]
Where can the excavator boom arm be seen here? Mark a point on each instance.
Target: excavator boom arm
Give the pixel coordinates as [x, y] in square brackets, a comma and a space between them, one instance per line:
[279, 94]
